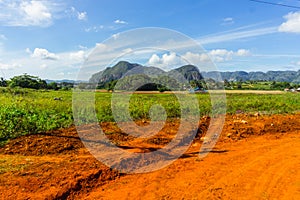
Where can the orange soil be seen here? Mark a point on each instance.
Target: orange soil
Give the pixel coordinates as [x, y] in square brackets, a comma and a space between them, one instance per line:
[256, 157]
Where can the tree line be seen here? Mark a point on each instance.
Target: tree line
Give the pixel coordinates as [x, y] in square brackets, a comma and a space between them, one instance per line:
[33, 82]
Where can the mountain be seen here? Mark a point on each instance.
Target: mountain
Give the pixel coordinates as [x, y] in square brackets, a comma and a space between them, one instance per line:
[279, 76]
[113, 73]
[190, 72]
[124, 68]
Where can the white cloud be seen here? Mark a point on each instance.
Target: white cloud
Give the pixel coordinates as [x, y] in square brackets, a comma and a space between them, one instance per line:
[195, 58]
[167, 60]
[61, 74]
[221, 52]
[43, 54]
[94, 28]
[235, 35]
[73, 12]
[118, 21]
[26, 13]
[154, 60]
[43, 66]
[292, 24]
[228, 21]
[82, 16]
[220, 55]
[100, 47]
[82, 47]
[27, 50]
[4, 66]
[198, 59]
[79, 55]
[2, 37]
[243, 52]
[116, 36]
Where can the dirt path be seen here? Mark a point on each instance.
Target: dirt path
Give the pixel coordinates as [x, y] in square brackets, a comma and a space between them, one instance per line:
[257, 157]
[259, 168]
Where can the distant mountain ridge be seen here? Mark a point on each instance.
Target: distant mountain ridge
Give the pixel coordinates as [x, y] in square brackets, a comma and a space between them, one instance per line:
[279, 76]
[191, 72]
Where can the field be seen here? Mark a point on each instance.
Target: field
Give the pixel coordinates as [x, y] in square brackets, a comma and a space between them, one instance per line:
[256, 157]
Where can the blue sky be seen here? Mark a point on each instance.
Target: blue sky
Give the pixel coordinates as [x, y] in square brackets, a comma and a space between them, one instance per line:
[52, 38]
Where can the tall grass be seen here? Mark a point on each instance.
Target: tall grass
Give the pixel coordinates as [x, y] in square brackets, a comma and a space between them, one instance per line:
[24, 111]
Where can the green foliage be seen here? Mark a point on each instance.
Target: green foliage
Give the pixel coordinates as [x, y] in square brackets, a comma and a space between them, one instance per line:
[3, 83]
[52, 86]
[27, 111]
[28, 81]
[280, 85]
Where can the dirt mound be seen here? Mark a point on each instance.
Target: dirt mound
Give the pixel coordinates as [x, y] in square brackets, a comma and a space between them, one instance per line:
[242, 126]
[63, 141]
[59, 177]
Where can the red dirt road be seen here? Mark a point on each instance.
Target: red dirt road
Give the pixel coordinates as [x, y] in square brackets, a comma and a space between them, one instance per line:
[259, 168]
[255, 158]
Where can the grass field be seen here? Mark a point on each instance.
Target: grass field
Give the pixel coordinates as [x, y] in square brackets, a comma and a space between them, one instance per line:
[24, 111]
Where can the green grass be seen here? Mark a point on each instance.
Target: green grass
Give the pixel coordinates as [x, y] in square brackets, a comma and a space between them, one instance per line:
[25, 111]
[29, 111]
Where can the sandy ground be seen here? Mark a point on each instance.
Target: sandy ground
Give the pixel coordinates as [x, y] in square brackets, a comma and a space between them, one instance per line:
[256, 157]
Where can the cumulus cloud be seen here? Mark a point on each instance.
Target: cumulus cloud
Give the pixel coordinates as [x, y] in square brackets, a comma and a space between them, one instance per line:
[118, 21]
[195, 58]
[154, 60]
[292, 24]
[243, 52]
[26, 13]
[221, 55]
[79, 55]
[167, 60]
[43, 54]
[216, 55]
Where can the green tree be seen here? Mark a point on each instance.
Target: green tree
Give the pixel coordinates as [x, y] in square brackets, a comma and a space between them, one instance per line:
[28, 81]
[52, 86]
[3, 82]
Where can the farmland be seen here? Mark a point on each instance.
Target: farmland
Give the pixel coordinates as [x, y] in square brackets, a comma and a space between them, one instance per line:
[42, 156]
[25, 111]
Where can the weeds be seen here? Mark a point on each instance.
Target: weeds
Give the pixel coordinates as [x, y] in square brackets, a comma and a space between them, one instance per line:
[27, 111]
